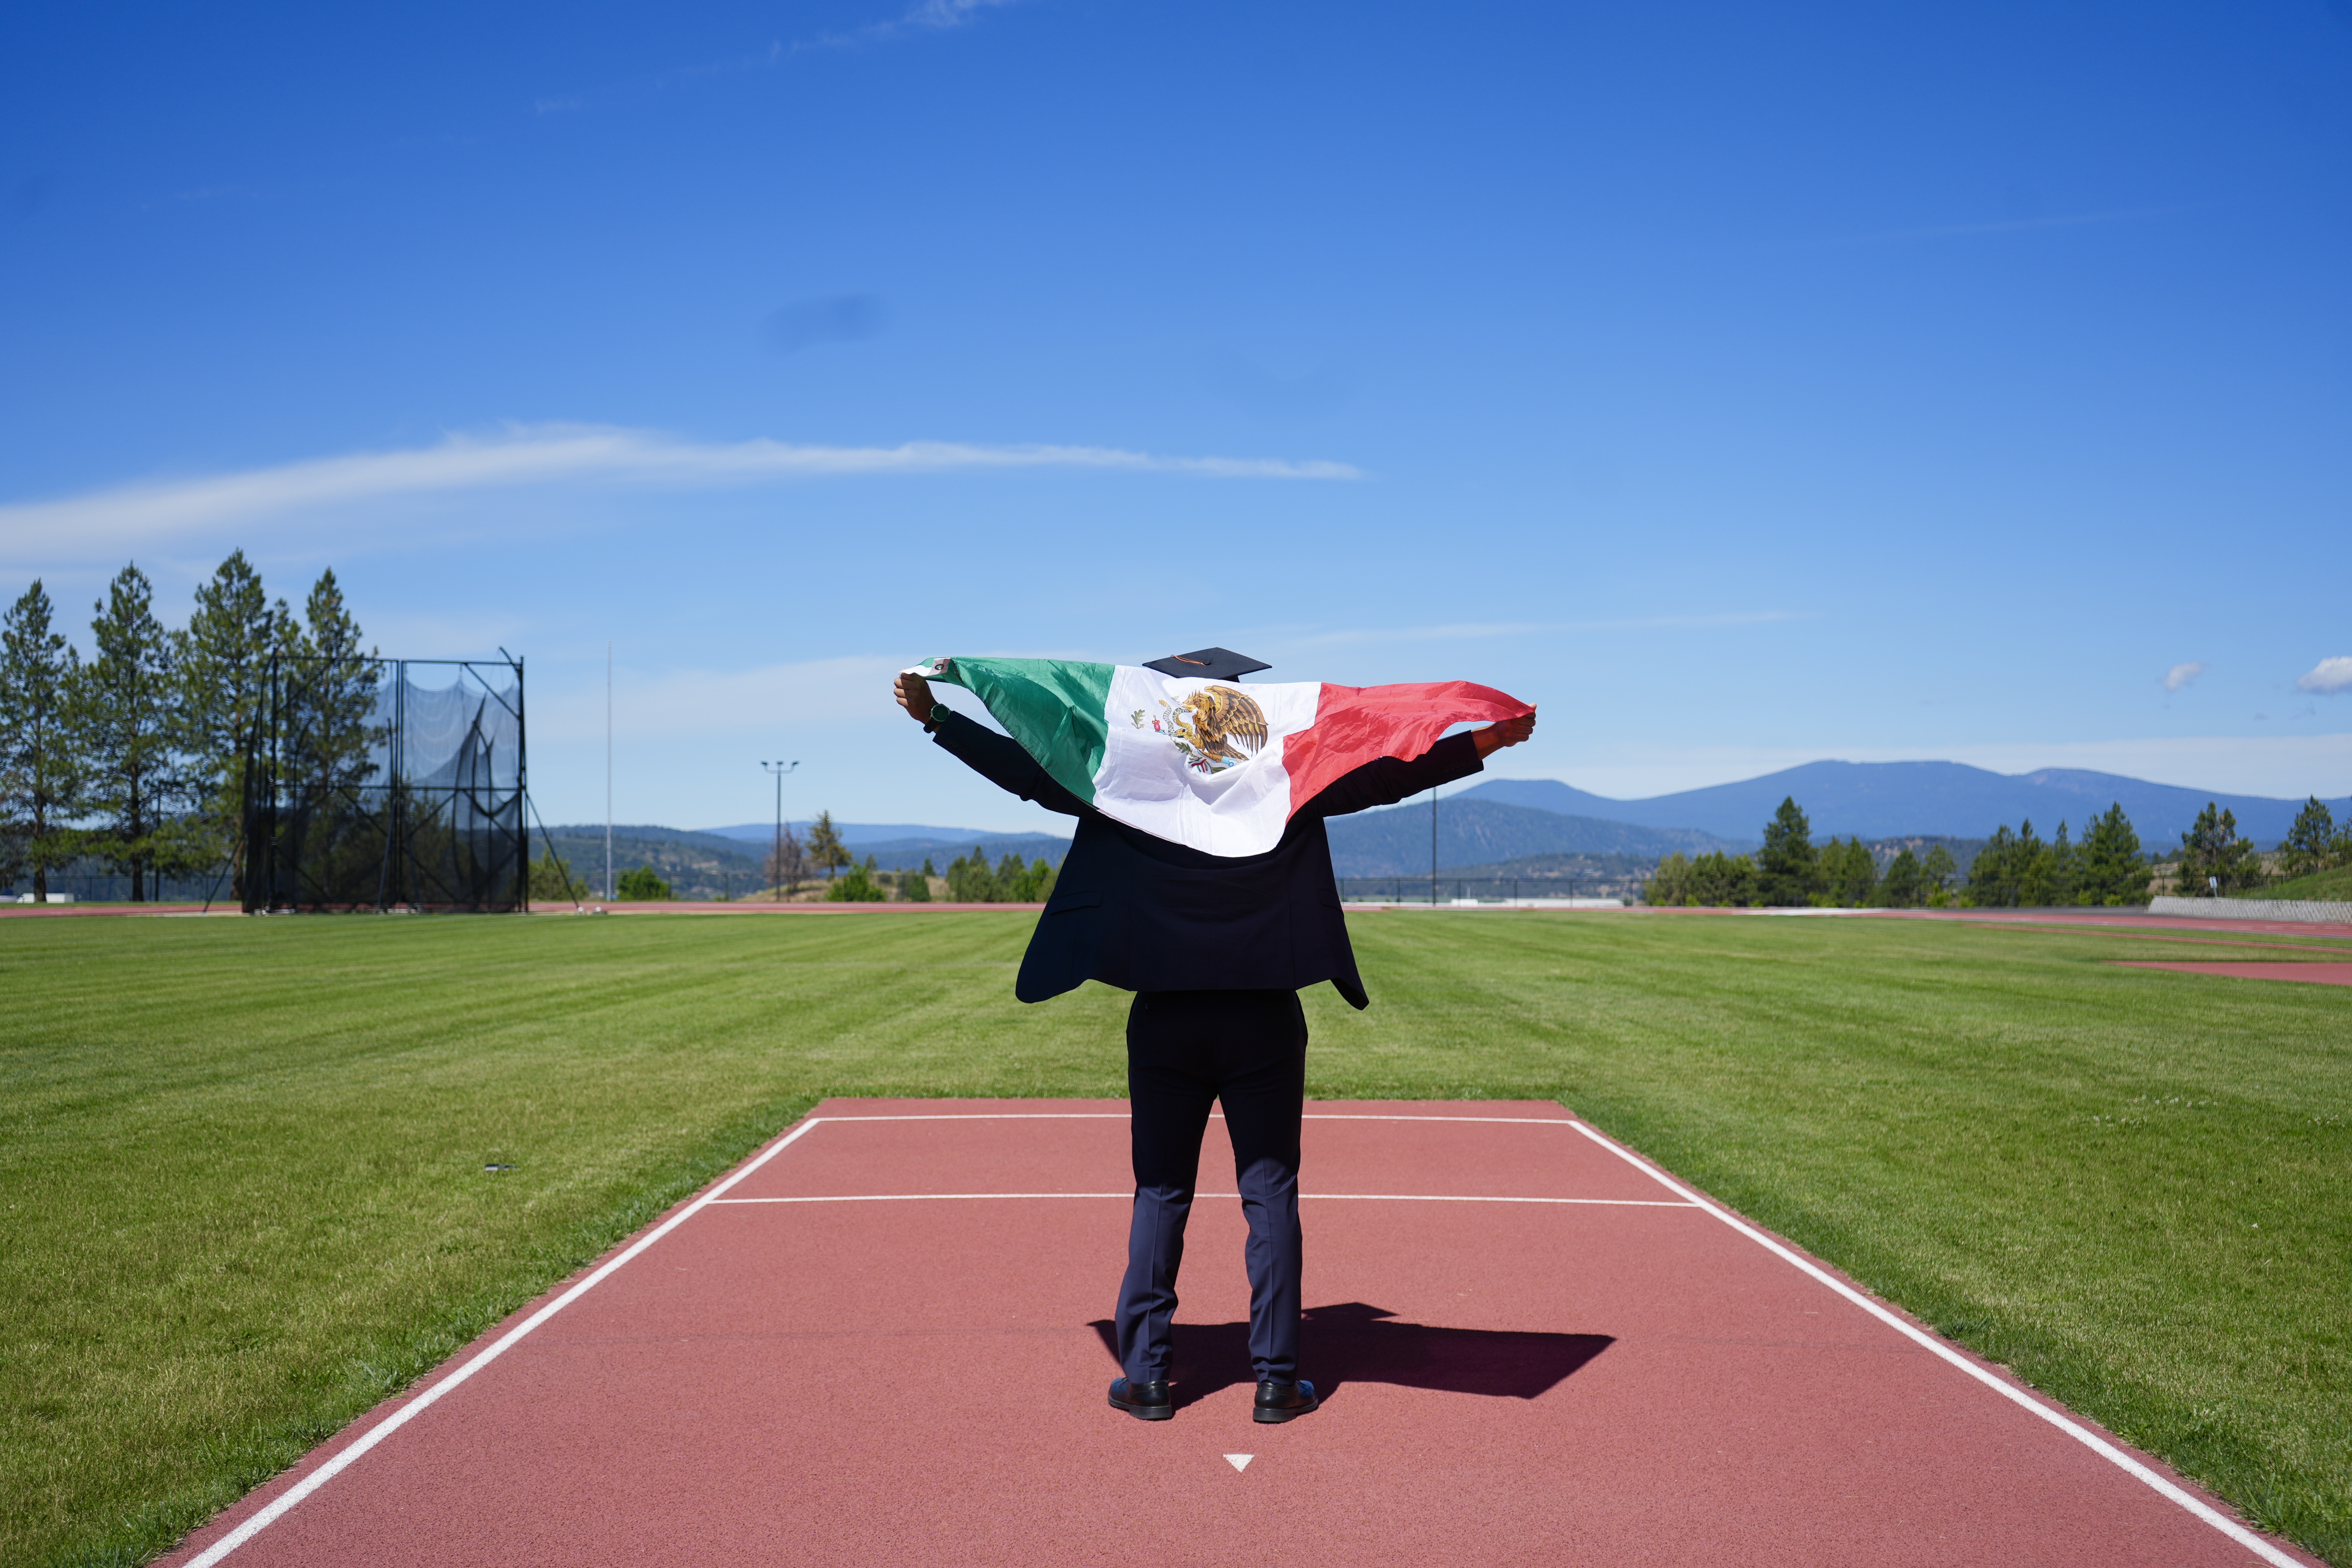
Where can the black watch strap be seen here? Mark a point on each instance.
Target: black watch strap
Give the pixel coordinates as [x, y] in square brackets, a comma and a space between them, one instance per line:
[941, 714]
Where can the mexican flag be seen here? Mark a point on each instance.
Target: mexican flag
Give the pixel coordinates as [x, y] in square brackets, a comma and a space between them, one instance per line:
[1207, 763]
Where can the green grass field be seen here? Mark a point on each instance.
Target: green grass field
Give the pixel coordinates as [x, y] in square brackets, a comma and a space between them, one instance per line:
[2326, 886]
[243, 1161]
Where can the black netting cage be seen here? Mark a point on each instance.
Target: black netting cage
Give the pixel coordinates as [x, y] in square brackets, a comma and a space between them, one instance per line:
[383, 783]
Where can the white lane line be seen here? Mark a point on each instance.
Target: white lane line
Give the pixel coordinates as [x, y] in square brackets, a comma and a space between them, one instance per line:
[311, 1483]
[1512, 1121]
[278, 1508]
[1453, 1198]
[2066, 1424]
[1304, 1197]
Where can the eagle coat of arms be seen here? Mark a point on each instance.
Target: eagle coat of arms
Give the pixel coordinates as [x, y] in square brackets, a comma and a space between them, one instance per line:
[1212, 730]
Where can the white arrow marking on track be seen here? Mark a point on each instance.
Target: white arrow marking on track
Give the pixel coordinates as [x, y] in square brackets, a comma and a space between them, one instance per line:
[1240, 1461]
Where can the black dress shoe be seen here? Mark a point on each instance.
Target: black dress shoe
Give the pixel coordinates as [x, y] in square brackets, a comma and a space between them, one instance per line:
[1284, 1401]
[1144, 1401]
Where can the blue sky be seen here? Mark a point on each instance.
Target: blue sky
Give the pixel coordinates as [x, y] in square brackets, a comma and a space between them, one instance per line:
[1743, 384]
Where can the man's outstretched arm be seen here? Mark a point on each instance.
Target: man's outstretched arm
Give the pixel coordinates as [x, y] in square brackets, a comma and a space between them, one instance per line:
[997, 758]
[1384, 781]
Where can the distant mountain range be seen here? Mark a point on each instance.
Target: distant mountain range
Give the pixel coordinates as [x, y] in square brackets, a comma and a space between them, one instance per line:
[905, 853]
[711, 865]
[902, 845]
[1475, 831]
[1530, 876]
[1495, 828]
[852, 833]
[1882, 800]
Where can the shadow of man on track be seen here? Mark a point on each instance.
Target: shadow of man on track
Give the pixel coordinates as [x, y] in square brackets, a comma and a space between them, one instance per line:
[1354, 1343]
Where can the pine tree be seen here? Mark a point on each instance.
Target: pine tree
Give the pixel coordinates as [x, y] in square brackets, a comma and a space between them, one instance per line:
[1849, 873]
[336, 687]
[2110, 868]
[1669, 885]
[1787, 867]
[970, 881]
[1031, 884]
[2046, 877]
[128, 724]
[221, 661]
[1861, 875]
[1993, 874]
[825, 845]
[1902, 888]
[2213, 858]
[2310, 843]
[1935, 872]
[42, 769]
[1723, 881]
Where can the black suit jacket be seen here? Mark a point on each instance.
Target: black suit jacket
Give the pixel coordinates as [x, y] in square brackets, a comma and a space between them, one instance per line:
[1145, 914]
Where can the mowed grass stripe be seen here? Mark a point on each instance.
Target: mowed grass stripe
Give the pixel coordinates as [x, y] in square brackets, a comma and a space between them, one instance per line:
[2130, 1186]
[244, 1158]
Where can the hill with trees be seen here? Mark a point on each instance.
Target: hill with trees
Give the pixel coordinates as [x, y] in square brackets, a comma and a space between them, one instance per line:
[1879, 800]
[2008, 870]
[695, 865]
[1395, 840]
[1558, 876]
[900, 844]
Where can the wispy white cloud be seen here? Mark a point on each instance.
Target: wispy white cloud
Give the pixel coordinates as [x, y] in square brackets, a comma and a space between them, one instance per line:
[941, 14]
[924, 16]
[2327, 678]
[557, 455]
[2180, 675]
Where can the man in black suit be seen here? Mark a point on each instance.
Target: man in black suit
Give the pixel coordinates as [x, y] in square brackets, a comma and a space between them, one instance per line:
[1216, 949]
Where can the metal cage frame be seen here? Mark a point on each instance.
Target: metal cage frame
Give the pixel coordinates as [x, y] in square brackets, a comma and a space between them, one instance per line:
[375, 838]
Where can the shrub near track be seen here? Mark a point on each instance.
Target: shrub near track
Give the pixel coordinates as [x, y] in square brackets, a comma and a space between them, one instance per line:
[244, 1162]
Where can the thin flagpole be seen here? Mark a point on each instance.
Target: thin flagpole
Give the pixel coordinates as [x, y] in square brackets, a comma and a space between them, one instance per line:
[608, 773]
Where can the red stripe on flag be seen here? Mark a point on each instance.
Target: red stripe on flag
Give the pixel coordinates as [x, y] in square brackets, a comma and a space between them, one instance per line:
[1356, 724]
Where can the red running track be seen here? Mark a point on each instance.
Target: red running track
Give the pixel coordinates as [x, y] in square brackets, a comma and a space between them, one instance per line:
[1535, 1351]
[2113, 917]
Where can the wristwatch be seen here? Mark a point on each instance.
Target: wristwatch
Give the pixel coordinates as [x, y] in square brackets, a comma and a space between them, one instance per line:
[941, 714]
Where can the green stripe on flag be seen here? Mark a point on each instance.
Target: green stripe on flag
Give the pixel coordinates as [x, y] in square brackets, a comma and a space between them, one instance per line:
[1053, 707]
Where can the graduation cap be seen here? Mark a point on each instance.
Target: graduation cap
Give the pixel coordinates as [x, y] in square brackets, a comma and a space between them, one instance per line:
[1208, 664]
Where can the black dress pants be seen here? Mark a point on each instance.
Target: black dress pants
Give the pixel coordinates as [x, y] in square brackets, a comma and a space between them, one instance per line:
[1187, 1050]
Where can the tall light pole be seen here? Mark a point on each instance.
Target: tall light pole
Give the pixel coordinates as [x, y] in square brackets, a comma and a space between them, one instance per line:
[779, 769]
[608, 773]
